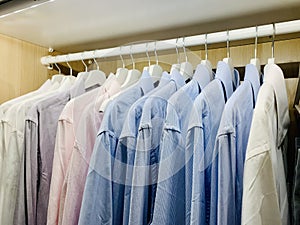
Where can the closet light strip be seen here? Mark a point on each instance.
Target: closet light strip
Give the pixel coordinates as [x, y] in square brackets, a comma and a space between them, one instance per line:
[217, 37]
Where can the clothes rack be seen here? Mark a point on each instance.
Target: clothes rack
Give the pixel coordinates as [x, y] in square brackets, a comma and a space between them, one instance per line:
[211, 38]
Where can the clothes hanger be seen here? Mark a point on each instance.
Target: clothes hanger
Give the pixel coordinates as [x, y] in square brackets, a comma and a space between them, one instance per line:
[83, 75]
[146, 68]
[228, 60]
[186, 68]
[133, 75]
[57, 77]
[206, 62]
[68, 81]
[122, 72]
[272, 59]
[155, 71]
[95, 77]
[176, 66]
[255, 61]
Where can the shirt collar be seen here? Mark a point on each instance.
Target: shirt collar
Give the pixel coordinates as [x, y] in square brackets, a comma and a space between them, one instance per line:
[178, 78]
[77, 88]
[113, 86]
[235, 79]
[165, 78]
[224, 75]
[273, 75]
[252, 75]
[146, 82]
[202, 76]
[45, 86]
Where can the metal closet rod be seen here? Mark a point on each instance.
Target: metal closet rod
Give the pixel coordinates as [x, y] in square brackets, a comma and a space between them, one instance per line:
[217, 37]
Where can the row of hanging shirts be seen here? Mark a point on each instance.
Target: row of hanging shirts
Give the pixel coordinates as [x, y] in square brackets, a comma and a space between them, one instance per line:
[27, 202]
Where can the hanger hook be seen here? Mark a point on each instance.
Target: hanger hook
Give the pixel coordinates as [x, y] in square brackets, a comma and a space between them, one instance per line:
[59, 71]
[183, 46]
[85, 66]
[71, 70]
[206, 51]
[121, 57]
[177, 53]
[133, 63]
[256, 37]
[156, 56]
[147, 53]
[273, 39]
[228, 48]
[95, 61]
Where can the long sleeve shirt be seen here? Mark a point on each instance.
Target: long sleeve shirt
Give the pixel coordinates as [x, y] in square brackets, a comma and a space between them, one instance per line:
[146, 154]
[264, 184]
[230, 150]
[172, 204]
[202, 131]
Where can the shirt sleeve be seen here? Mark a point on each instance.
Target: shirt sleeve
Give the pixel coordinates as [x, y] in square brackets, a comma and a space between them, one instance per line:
[97, 204]
[195, 143]
[63, 149]
[171, 184]
[31, 165]
[260, 198]
[223, 208]
[137, 197]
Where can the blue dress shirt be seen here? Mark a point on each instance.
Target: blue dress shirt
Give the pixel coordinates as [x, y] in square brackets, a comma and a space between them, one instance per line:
[202, 131]
[230, 150]
[172, 187]
[145, 169]
[124, 157]
[100, 205]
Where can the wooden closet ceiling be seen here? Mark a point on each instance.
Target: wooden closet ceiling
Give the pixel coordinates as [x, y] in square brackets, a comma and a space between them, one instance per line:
[77, 25]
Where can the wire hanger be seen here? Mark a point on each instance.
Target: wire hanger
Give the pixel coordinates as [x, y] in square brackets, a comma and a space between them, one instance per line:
[133, 75]
[95, 61]
[228, 60]
[122, 72]
[148, 58]
[155, 70]
[255, 61]
[203, 73]
[96, 77]
[206, 62]
[176, 66]
[59, 70]
[57, 77]
[83, 75]
[186, 68]
[71, 70]
[272, 59]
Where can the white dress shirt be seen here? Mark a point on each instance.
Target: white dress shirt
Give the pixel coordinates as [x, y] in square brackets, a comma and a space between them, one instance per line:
[265, 194]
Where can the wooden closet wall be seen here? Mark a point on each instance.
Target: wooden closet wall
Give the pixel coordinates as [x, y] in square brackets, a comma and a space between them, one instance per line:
[21, 70]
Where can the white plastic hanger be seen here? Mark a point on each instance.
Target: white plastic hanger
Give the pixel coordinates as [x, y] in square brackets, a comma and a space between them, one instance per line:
[186, 68]
[57, 77]
[133, 75]
[155, 71]
[121, 73]
[255, 61]
[146, 68]
[67, 81]
[83, 75]
[228, 60]
[95, 77]
[272, 60]
[206, 62]
[176, 66]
